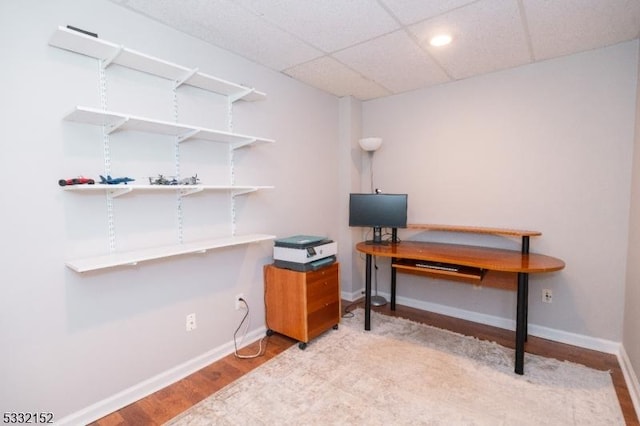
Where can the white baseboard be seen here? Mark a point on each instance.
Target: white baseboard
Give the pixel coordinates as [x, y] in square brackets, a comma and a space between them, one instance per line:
[352, 296]
[153, 384]
[630, 378]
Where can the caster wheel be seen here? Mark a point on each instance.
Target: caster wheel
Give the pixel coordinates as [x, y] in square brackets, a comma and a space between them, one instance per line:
[270, 332]
[302, 346]
[335, 327]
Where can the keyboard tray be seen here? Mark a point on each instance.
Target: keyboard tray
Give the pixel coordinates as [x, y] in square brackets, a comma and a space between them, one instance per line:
[438, 268]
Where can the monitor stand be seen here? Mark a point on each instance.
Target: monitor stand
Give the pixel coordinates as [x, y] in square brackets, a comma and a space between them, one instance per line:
[377, 236]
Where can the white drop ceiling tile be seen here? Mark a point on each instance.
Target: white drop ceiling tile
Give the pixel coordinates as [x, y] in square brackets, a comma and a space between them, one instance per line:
[563, 27]
[487, 36]
[263, 44]
[329, 25]
[331, 76]
[231, 27]
[412, 11]
[394, 61]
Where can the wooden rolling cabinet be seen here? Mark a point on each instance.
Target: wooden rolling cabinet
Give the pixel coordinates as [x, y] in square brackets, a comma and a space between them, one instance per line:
[302, 305]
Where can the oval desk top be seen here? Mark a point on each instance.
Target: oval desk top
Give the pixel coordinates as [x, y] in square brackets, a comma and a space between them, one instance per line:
[490, 258]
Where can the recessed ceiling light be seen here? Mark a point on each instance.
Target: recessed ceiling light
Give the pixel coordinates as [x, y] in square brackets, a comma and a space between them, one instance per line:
[440, 40]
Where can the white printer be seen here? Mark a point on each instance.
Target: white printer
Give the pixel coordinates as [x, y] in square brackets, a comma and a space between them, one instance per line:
[304, 252]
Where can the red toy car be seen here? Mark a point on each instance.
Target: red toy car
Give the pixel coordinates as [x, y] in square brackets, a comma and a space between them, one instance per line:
[76, 181]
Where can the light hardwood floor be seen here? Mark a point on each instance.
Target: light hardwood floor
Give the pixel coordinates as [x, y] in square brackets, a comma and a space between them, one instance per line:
[165, 404]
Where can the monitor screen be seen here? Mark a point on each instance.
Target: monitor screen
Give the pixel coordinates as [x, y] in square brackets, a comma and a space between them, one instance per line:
[378, 211]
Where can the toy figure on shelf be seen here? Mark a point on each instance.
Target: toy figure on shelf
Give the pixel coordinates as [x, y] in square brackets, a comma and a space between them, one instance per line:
[161, 180]
[76, 181]
[114, 181]
[193, 180]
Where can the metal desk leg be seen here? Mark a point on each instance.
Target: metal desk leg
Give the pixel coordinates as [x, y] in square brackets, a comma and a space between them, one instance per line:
[393, 286]
[367, 293]
[525, 250]
[526, 307]
[521, 321]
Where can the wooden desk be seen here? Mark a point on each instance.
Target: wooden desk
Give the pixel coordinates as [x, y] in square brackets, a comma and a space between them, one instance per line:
[466, 263]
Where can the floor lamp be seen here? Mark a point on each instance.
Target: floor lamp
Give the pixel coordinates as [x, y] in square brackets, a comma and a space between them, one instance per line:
[371, 145]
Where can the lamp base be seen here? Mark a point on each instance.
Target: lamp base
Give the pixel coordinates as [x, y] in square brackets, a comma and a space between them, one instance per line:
[378, 301]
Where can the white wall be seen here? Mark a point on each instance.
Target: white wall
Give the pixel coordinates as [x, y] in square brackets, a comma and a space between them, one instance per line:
[70, 340]
[631, 337]
[545, 147]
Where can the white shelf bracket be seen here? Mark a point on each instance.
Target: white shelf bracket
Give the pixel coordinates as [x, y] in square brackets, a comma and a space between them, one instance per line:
[186, 77]
[188, 135]
[237, 96]
[113, 57]
[237, 192]
[115, 126]
[244, 143]
[116, 192]
[188, 191]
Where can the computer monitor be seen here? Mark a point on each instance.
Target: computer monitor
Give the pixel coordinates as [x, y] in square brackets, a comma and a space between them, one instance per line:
[378, 211]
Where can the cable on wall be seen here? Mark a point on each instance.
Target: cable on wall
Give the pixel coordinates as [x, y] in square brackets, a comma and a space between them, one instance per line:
[261, 349]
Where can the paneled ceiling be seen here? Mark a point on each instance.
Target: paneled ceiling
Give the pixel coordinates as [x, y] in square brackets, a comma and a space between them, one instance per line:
[375, 48]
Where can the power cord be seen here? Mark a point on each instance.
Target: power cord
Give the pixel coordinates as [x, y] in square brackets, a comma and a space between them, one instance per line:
[261, 351]
[348, 310]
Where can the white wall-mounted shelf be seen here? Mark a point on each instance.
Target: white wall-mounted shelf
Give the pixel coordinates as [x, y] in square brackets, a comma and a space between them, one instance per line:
[110, 122]
[116, 121]
[132, 258]
[184, 190]
[111, 53]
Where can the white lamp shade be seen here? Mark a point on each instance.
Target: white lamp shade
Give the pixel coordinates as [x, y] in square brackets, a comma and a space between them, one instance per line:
[370, 144]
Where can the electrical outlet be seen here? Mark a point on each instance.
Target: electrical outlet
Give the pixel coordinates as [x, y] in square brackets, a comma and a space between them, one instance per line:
[239, 304]
[547, 295]
[191, 322]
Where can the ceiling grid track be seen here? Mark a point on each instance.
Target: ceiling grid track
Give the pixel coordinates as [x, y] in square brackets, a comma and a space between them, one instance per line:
[525, 26]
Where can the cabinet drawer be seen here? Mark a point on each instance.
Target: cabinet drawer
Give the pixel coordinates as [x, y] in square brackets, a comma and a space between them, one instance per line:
[322, 293]
[322, 274]
[323, 319]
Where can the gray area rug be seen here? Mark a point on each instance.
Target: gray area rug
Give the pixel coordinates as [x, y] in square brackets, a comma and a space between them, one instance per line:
[405, 373]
